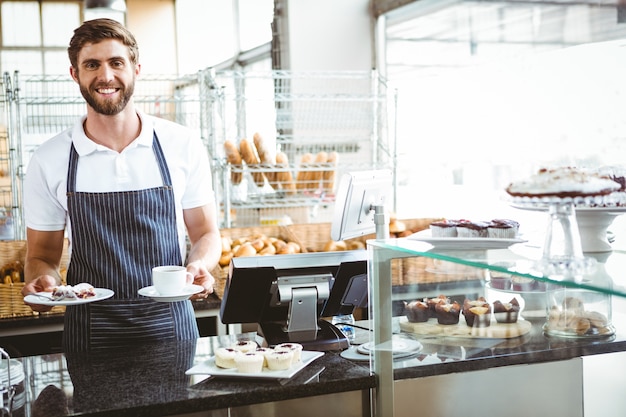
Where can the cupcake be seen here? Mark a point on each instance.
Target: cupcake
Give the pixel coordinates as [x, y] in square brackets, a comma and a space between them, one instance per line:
[249, 363]
[472, 229]
[503, 229]
[506, 312]
[244, 346]
[295, 347]
[225, 357]
[523, 284]
[417, 311]
[264, 352]
[279, 360]
[432, 302]
[443, 228]
[477, 312]
[448, 313]
[500, 281]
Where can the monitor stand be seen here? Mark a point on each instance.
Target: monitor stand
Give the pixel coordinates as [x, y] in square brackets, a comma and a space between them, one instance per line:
[326, 338]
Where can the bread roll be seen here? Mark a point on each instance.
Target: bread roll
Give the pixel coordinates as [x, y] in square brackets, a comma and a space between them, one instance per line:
[284, 177]
[251, 157]
[328, 180]
[233, 157]
[245, 250]
[266, 157]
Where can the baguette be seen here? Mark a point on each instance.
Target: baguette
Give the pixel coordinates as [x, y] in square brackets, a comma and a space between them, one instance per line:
[251, 158]
[284, 177]
[328, 180]
[316, 175]
[233, 157]
[302, 179]
[267, 158]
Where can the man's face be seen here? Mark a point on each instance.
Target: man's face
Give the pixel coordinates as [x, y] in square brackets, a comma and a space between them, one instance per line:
[106, 76]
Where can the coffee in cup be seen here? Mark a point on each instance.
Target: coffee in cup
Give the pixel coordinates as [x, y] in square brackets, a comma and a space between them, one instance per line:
[169, 279]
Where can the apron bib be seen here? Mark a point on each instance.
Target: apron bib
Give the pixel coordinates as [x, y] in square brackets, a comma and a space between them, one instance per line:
[117, 238]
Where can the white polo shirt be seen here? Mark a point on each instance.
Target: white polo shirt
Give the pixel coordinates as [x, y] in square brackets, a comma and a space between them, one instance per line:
[101, 169]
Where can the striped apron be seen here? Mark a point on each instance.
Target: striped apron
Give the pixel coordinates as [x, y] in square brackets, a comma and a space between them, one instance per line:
[117, 238]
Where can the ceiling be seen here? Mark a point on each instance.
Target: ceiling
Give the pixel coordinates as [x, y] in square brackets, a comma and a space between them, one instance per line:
[429, 37]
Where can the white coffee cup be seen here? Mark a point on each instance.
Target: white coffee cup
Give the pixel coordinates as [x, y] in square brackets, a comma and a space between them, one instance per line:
[170, 279]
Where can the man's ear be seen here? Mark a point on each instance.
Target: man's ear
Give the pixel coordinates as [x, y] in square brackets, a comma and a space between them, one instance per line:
[73, 73]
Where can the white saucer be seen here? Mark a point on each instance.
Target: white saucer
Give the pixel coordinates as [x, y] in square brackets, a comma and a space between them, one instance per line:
[188, 291]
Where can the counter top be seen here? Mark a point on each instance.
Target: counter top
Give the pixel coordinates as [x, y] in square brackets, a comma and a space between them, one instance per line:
[150, 380]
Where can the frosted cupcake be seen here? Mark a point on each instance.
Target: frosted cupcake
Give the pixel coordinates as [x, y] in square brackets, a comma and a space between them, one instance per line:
[295, 347]
[225, 357]
[249, 363]
[503, 229]
[279, 360]
[443, 228]
[244, 346]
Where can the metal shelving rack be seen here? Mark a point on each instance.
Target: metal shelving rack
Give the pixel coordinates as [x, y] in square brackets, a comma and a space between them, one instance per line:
[305, 112]
[299, 113]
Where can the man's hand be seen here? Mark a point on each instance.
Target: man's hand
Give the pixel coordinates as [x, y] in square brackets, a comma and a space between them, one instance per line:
[201, 276]
[44, 283]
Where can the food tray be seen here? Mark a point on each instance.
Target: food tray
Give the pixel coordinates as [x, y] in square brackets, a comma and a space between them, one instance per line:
[494, 331]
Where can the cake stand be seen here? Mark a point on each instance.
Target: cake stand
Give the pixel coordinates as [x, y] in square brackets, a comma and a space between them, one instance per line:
[593, 222]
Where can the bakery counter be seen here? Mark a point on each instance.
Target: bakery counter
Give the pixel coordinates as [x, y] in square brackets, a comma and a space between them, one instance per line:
[150, 380]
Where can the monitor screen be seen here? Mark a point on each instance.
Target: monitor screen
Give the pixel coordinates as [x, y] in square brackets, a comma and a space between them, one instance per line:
[287, 295]
[358, 197]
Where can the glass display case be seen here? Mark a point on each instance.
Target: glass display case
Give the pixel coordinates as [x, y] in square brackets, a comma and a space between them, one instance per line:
[556, 311]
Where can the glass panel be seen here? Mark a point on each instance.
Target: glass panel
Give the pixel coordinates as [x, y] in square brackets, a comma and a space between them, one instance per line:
[23, 61]
[56, 62]
[20, 23]
[59, 21]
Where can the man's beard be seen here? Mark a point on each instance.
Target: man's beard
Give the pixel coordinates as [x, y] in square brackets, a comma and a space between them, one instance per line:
[108, 107]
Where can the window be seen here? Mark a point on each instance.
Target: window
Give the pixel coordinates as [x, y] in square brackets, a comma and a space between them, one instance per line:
[35, 35]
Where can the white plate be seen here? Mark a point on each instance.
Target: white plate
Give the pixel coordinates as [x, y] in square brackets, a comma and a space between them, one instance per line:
[188, 291]
[464, 243]
[398, 347]
[209, 368]
[101, 294]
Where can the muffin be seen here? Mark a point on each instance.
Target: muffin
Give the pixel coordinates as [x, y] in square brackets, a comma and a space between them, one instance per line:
[296, 348]
[264, 352]
[506, 312]
[523, 284]
[472, 229]
[432, 302]
[250, 362]
[279, 360]
[447, 313]
[477, 312]
[503, 229]
[225, 357]
[443, 228]
[417, 311]
[244, 346]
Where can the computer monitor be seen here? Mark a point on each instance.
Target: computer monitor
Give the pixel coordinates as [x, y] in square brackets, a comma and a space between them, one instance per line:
[287, 295]
[360, 204]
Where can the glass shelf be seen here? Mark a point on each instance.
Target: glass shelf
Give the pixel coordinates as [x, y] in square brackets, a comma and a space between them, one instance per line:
[606, 276]
[520, 259]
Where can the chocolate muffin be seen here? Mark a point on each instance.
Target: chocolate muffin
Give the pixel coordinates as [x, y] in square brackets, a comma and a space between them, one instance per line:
[506, 312]
[477, 312]
[448, 313]
[417, 311]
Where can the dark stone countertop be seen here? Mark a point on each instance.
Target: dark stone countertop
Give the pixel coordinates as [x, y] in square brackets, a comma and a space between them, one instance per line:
[150, 380]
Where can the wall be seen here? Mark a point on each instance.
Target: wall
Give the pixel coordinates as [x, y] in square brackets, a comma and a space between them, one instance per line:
[153, 23]
[328, 35]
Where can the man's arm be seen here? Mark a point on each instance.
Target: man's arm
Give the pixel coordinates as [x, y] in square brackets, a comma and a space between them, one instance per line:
[206, 245]
[43, 258]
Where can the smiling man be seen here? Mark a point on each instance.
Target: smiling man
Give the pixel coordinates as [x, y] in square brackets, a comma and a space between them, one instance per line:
[128, 189]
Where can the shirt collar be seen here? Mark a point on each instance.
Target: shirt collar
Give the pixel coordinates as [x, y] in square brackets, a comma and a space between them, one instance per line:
[85, 146]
